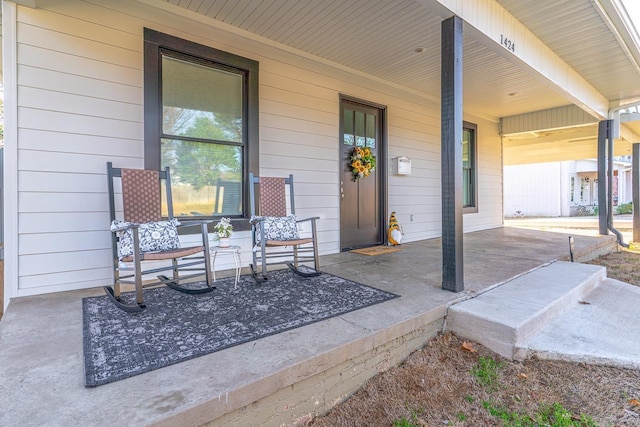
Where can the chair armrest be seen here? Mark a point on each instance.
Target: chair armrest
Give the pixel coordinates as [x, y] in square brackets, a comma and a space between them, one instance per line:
[256, 220]
[125, 227]
[313, 218]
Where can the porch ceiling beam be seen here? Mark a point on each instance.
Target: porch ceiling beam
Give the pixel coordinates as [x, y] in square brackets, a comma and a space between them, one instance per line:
[589, 132]
[628, 135]
[629, 117]
[558, 151]
[568, 116]
[492, 25]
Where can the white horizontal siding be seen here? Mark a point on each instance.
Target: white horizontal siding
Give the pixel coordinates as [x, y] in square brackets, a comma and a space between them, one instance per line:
[83, 124]
[74, 41]
[81, 105]
[64, 242]
[64, 281]
[42, 182]
[70, 84]
[64, 142]
[70, 64]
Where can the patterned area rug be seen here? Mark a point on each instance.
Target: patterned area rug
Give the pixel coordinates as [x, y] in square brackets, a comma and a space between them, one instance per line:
[177, 327]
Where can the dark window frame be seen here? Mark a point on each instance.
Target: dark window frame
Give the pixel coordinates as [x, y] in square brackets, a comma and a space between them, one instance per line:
[155, 45]
[474, 172]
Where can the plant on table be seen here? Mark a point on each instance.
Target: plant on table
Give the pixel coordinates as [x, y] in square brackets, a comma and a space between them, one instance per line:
[223, 228]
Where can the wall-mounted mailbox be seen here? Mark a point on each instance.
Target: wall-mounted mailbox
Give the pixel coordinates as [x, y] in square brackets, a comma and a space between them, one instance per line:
[402, 166]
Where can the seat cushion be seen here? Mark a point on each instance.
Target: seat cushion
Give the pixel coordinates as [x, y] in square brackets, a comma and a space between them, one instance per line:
[276, 227]
[154, 236]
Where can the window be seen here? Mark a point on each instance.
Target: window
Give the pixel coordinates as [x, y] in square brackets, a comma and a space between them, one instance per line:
[469, 168]
[201, 120]
[573, 187]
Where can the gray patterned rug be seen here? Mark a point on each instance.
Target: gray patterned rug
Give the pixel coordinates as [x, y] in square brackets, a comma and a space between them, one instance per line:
[177, 327]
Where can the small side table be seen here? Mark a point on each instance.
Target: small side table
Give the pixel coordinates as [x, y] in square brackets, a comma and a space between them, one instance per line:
[233, 250]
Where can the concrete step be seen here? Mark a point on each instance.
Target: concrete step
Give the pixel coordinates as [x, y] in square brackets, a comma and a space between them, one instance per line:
[503, 318]
[603, 330]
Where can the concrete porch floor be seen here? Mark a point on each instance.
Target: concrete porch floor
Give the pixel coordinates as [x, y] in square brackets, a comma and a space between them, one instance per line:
[272, 381]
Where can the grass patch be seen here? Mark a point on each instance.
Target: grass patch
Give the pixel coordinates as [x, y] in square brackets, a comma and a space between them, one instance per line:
[404, 423]
[486, 372]
[548, 415]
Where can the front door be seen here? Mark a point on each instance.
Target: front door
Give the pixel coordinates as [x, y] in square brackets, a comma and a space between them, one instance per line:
[361, 207]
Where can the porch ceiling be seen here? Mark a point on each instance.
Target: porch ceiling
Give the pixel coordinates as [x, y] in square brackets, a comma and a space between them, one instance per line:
[582, 33]
[379, 38]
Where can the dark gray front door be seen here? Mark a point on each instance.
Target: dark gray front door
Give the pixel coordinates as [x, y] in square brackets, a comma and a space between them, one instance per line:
[361, 202]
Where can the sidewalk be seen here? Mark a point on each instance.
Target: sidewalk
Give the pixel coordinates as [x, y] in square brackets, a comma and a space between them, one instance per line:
[582, 225]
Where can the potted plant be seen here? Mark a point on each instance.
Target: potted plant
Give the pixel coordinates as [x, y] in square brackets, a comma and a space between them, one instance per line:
[224, 230]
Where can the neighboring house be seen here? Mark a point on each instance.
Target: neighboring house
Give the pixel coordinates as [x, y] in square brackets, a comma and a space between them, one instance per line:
[287, 86]
[568, 188]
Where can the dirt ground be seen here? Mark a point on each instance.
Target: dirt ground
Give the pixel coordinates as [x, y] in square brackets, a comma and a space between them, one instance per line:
[435, 386]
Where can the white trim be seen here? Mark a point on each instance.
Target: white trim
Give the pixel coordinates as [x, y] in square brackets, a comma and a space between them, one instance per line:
[10, 82]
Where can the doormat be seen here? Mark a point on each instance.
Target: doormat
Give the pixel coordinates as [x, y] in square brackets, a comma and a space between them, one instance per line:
[377, 250]
[176, 327]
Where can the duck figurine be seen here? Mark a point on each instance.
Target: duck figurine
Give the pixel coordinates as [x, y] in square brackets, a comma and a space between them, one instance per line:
[395, 231]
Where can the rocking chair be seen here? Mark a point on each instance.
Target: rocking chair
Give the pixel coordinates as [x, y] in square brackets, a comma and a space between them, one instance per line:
[144, 236]
[275, 233]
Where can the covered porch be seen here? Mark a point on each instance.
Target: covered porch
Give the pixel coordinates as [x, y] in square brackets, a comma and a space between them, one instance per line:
[281, 379]
[519, 64]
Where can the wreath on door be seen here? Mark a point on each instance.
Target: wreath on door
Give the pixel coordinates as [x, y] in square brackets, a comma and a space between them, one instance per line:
[363, 162]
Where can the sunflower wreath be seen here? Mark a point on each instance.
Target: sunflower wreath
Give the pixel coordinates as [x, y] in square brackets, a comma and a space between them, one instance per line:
[362, 162]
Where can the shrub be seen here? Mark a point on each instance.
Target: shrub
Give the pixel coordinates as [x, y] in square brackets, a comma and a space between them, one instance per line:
[624, 208]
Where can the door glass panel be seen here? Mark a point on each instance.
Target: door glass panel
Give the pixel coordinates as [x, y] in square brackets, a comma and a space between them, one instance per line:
[371, 131]
[348, 127]
[359, 129]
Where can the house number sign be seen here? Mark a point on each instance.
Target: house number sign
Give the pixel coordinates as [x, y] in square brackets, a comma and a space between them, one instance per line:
[510, 45]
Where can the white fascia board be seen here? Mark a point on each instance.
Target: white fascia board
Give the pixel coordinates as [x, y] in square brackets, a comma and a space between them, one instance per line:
[491, 24]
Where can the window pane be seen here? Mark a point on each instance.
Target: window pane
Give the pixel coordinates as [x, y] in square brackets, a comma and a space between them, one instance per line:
[348, 127]
[466, 149]
[206, 178]
[467, 186]
[201, 101]
[468, 168]
[359, 131]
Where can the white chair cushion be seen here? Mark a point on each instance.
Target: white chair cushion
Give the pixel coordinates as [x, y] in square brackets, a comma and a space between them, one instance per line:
[154, 236]
[277, 227]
